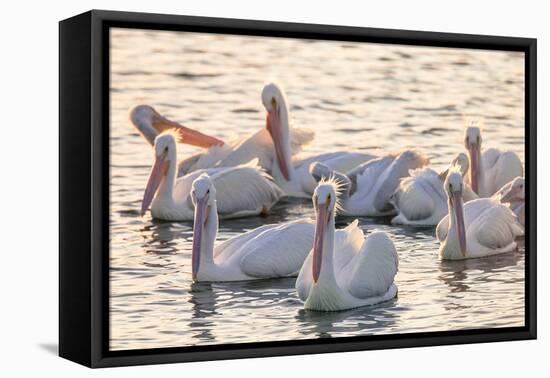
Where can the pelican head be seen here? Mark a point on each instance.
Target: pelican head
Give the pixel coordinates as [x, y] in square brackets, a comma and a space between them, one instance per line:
[515, 192]
[203, 195]
[165, 154]
[454, 187]
[274, 101]
[472, 142]
[325, 202]
[461, 162]
[150, 123]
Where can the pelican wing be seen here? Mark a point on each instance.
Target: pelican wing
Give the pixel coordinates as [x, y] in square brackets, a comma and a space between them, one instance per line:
[500, 168]
[187, 165]
[227, 248]
[418, 196]
[472, 210]
[372, 271]
[278, 251]
[260, 146]
[244, 190]
[256, 146]
[203, 160]
[389, 180]
[299, 137]
[496, 227]
[305, 278]
[347, 243]
[341, 161]
[365, 176]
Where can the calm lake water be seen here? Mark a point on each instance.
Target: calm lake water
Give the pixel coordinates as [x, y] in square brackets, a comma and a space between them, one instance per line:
[376, 98]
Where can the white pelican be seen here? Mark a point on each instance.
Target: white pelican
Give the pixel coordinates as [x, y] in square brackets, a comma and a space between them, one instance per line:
[513, 193]
[479, 228]
[269, 251]
[489, 170]
[345, 270]
[367, 189]
[294, 177]
[421, 200]
[259, 145]
[243, 190]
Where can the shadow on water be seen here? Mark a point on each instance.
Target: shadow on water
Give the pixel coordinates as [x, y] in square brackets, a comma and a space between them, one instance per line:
[360, 320]
[208, 298]
[455, 274]
[160, 237]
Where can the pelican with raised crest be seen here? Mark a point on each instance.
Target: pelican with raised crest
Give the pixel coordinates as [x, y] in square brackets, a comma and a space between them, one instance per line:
[345, 270]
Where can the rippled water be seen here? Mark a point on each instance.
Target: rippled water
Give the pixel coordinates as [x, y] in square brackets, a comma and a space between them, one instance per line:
[362, 96]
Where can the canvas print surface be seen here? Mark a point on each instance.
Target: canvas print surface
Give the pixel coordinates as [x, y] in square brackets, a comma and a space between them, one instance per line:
[328, 189]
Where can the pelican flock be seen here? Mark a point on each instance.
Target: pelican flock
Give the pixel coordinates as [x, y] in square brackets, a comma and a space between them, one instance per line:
[476, 204]
[247, 189]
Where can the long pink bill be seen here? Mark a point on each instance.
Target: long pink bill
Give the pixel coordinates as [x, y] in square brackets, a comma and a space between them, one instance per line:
[320, 229]
[155, 178]
[198, 227]
[475, 157]
[273, 125]
[459, 211]
[187, 135]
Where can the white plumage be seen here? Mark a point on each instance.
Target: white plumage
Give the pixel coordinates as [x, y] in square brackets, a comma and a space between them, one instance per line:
[368, 189]
[493, 168]
[479, 228]
[242, 190]
[345, 270]
[420, 200]
[268, 251]
[513, 193]
[258, 145]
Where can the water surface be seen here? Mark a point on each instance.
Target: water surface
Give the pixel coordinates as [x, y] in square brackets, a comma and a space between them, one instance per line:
[376, 98]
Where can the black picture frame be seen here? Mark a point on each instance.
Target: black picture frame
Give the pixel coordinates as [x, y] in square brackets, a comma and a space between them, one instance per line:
[84, 187]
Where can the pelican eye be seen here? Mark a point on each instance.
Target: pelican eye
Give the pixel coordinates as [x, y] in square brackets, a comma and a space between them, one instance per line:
[328, 197]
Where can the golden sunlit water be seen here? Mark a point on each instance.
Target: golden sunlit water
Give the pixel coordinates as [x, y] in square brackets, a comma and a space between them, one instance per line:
[376, 98]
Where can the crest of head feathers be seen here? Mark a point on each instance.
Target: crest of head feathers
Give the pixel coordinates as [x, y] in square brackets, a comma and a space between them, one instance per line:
[472, 121]
[171, 132]
[333, 183]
